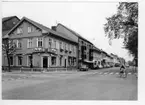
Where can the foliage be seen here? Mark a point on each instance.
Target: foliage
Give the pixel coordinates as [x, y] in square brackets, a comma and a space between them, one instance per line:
[124, 24]
[9, 47]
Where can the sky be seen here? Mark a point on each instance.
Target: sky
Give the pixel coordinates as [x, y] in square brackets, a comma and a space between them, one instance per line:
[85, 18]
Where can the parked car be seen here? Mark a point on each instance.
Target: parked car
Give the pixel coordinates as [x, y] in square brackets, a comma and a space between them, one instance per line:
[83, 68]
[117, 65]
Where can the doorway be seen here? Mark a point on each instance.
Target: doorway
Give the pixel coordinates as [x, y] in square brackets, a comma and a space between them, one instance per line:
[65, 63]
[45, 62]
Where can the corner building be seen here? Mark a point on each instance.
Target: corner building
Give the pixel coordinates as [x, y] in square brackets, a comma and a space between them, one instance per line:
[39, 46]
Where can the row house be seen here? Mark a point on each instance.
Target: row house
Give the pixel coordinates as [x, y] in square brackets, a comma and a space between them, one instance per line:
[115, 59]
[97, 57]
[39, 46]
[85, 52]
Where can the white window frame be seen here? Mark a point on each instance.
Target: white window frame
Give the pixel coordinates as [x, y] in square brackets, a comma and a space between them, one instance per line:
[19, 30]
[49, 40]
[29, 29]
[60, 44]
[18, 41]
[28, 43]
[40, 39]
[54, 41]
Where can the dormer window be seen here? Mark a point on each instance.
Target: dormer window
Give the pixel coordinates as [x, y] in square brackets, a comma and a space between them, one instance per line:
[19, 30]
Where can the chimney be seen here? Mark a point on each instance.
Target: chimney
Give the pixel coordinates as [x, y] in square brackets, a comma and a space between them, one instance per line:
[53, 28]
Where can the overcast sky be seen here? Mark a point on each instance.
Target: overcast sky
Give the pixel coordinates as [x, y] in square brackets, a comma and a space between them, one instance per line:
[86, 18]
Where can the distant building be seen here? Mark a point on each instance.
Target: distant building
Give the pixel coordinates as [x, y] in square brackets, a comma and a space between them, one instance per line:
[97, 57]
[8, 23]
[39, 46]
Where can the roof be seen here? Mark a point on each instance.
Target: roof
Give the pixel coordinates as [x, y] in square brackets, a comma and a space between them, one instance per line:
[43, 28]
[95, 48]
[75, 33]
[5, 32]
[7, 18]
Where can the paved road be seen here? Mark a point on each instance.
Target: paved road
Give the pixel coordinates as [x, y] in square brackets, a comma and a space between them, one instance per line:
[103, 84]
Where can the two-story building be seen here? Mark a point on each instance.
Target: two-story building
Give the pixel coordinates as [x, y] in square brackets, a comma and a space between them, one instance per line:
[39, 46]
[85, 52]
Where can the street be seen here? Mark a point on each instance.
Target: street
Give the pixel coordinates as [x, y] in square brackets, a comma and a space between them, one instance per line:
[101, 84]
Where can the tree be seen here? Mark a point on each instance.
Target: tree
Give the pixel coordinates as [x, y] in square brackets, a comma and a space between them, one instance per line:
[124, 24]
[9, 47]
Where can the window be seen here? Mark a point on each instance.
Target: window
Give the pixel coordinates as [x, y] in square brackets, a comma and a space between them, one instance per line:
[57, 45]
[29, 44]
[29, 29]
[50, 43]
[60, 44]
[65, 46]
[11, 60]
[19, 30]
[74, 49]
[60, 60]
[19, 44]
[54, 43]
[19, 60]
[53, 61]
[68, 47]
[39, 42]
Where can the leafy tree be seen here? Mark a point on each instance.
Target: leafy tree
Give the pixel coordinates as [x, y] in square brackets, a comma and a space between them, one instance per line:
[9, 47]
[124, 24]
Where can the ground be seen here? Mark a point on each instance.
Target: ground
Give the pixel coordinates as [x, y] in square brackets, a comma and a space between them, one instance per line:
[102, 84]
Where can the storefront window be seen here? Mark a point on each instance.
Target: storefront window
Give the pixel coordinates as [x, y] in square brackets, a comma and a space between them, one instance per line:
[53, 61]
[19, 60]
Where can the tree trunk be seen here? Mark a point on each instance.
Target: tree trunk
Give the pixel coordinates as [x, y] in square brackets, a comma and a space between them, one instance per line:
[8, 58]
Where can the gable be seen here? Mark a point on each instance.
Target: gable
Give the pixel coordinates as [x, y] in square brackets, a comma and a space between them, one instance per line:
[23, 27]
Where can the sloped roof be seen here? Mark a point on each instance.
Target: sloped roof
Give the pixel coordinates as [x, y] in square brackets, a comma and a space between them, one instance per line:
[7, 18]
[5, 32]
[43, 28]
[75, 33]
[95, 48]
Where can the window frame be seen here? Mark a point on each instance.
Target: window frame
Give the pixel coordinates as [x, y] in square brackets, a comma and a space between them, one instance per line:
[19, 30]
[30, 29]
[21, 61]
[19, 42]
[39, 39]
[28, 43]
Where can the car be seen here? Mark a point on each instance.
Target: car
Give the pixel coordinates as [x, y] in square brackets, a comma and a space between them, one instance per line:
[83, 68]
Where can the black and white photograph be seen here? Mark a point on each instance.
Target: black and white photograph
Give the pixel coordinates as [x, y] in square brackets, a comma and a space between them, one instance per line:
[69, 50]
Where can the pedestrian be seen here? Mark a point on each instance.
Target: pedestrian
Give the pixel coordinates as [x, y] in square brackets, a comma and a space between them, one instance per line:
[123, 70]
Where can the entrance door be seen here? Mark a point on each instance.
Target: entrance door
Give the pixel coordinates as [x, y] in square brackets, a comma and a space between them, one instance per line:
[45, 62]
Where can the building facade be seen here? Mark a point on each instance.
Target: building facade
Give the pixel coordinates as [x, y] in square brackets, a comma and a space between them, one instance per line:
[40, 47]
[97, 57]
[85, 52]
